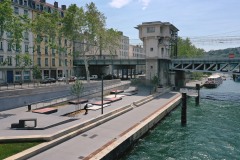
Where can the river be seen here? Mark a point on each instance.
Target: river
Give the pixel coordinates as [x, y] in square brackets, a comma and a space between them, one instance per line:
[212, 130]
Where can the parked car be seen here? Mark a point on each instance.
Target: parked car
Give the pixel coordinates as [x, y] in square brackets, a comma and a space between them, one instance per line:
[109, 77]
[93, 77]
[72, 79]
[60, 79]
[48, 80]
[81, 78]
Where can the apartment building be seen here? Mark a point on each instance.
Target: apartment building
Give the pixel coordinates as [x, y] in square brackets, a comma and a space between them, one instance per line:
[137, 52]
[9, 72]
[53, 62]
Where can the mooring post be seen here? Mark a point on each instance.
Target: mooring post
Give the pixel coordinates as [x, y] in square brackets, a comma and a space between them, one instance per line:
[198, 94]
[184, 109]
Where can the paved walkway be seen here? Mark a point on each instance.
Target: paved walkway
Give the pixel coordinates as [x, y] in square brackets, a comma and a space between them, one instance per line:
[87, 143]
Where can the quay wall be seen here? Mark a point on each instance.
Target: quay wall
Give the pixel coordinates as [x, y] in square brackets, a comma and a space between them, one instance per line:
[119, 146]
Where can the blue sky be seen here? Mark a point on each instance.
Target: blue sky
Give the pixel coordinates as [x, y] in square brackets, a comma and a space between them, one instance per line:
[211, 24]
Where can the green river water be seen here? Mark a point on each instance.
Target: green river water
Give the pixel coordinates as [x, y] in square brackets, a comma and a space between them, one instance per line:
[212, 131]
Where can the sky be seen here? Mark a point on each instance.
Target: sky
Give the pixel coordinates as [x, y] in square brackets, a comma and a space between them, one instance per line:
[210, 24]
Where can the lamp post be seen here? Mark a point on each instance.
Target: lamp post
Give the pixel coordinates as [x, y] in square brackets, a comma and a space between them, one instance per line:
[102, 94]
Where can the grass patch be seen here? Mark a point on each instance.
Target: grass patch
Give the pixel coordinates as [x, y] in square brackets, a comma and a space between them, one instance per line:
[9, 149]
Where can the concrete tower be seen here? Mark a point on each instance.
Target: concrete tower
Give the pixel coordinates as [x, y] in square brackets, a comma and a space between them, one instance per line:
[159, 42]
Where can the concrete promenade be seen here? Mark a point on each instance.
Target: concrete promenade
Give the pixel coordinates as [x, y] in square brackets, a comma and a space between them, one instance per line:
[104, 132]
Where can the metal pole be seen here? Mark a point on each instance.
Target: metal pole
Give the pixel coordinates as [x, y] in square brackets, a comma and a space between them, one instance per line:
[102, 94]
[184, 109]
[197, 98]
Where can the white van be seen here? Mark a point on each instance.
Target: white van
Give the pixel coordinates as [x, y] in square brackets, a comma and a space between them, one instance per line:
[93, 77]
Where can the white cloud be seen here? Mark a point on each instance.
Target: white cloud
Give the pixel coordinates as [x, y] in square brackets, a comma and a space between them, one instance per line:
[144, 3]
[119, 3]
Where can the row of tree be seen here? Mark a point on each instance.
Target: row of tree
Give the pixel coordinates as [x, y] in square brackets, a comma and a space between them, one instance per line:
[84, 25]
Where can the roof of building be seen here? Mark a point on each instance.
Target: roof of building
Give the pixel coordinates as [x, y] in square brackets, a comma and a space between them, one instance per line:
[157, 23]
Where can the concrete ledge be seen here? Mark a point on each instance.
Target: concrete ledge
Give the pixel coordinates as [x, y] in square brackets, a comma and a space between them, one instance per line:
[116, 147]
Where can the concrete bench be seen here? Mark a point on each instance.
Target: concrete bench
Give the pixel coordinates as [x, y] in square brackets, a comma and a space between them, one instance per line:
[22, 123]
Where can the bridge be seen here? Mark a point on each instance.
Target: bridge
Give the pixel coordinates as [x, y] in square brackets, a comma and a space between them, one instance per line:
[111, 62]
[225, 65]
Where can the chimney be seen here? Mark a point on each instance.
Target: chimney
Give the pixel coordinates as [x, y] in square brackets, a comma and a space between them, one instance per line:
[56, 4]
[63, 7]
[43, 1]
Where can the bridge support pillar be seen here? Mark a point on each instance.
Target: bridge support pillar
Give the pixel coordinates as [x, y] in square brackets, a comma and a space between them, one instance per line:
[180, 79]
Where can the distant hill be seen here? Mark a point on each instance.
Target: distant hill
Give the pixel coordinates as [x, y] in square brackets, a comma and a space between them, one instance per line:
[223, 53]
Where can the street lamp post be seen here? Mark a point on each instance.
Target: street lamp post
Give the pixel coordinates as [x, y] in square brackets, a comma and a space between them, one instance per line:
[102, 94]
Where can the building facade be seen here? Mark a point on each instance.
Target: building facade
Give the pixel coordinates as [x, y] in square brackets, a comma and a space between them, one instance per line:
[159, 43]
[137, 52]
[53, 62]
[9, 70]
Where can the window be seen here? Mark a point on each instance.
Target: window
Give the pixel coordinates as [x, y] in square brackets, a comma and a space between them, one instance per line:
[25, 12]
[1, 59]
[151, 49]
[150, 29]
[26, 35]
[66, 62]
[1, 46]
[46, 61]
[46, 39]
[18, 76]
[9, 60]
[26, 48]
[18, 48]
[65, 42]
[25, 3]
[53, 52]
[17, 61]
[26, 75]
[39, 61]
[60, 62]
[9, 47]
[16, 10]
[161, 29]
[38, 50]
[9, 35]
[46, 50]
[37, 7]
[53, 62]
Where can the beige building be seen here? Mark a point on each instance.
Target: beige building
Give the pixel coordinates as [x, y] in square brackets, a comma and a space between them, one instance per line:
[159, 43]
[137, 52]
[52, 62]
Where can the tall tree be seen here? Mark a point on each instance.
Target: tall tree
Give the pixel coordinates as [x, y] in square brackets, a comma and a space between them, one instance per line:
[187, 50]
[76, 90]
[6, 15]
[87, 26]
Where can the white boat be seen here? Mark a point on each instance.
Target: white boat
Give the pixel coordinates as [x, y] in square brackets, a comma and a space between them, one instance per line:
[213, 81]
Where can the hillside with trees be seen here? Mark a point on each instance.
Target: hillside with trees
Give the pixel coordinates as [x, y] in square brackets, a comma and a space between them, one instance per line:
[223, 53]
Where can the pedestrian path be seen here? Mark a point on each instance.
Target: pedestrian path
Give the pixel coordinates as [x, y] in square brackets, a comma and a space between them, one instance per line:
[87, 143]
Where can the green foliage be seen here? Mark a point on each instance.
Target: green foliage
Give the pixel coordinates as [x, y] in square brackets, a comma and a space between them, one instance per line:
[9, 149]
[187, 50]
[197, 75]
[13, 24]
[37, 74]
[23, 61]
[86, 25]
[6, 14]
[223, 53]
[76, 88]
[155, 81]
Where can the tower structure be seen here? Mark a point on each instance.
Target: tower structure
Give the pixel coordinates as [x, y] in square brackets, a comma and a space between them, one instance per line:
[159, 43]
